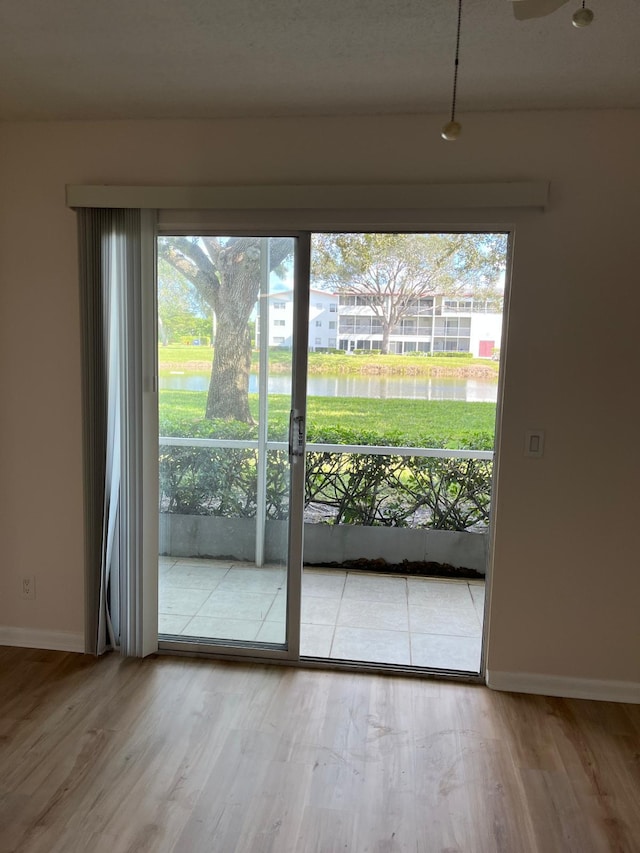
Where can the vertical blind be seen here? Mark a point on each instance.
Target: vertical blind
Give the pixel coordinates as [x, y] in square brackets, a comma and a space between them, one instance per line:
[111, 299]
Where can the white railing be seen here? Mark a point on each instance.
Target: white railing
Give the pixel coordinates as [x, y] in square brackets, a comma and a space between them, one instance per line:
[312, 447]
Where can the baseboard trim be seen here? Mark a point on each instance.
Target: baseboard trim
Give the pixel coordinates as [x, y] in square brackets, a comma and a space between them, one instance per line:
[33, 638]
[569, 688]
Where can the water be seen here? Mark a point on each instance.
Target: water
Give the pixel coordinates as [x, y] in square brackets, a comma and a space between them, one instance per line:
[377, 387]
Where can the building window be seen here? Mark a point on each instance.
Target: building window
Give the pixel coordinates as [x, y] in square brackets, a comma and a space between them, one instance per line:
[318, 324]
[332, 342]
[278, 340]
[363, 300]
[333, 307]
[279, 306]
[332, 324]
[319, 306]
[318, 342]
[279, 322]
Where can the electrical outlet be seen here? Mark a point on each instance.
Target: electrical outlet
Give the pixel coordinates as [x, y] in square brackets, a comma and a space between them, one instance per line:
[28, 588]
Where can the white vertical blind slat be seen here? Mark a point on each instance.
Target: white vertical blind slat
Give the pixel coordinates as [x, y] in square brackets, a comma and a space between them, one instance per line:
[110, 287]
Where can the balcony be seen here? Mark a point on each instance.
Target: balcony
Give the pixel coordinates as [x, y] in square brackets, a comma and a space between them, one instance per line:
[374, 506]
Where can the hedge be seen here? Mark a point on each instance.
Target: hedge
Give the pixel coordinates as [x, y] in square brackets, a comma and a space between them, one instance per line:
[340, 488]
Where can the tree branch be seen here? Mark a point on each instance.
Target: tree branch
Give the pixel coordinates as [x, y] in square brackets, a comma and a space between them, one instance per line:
[188, 258]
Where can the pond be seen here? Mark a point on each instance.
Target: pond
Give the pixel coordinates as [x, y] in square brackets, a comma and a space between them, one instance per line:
[378, 387]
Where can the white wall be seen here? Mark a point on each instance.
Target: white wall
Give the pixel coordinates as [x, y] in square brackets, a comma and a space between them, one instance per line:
[486, 327]
[320, 336]
[566, 582]
[281, 335]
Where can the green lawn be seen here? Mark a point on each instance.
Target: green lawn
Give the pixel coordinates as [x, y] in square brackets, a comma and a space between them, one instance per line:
[414, 423]
[418, 423]
[446, 420]
[198, 359]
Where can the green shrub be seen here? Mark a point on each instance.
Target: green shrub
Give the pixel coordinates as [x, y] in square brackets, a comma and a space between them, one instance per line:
[351, 488]
[449, 354]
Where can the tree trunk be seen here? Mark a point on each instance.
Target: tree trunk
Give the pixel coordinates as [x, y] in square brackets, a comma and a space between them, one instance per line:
[386, 329]
[229, 385]
[227, 277]
[233, 304]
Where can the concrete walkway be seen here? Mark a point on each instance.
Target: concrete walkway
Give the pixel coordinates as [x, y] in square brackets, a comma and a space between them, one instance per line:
[346, 615]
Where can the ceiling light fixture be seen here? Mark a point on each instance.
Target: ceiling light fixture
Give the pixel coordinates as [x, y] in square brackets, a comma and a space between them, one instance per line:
[452, 128]
[526, 9]
[583, 17]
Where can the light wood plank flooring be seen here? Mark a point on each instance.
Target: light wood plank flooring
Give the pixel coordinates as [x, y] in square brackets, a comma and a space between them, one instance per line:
[184, 756]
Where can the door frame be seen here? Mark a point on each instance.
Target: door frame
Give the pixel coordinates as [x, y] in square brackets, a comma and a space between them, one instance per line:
[289, 651]
[334, 222]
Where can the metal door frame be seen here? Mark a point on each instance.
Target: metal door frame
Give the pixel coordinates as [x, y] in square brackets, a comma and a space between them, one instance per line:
[290, 650]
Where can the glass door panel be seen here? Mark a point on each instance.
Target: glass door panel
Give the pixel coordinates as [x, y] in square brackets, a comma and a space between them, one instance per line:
[226, 327]
[401, 413]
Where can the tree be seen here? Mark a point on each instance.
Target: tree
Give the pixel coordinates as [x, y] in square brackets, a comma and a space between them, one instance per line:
[225, 273]
[392, 271]
[181, 311]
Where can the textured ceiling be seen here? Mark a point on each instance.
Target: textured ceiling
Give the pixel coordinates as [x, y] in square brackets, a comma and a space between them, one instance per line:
[111, 59]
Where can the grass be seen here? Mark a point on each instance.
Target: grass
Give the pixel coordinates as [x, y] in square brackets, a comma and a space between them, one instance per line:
[414, 423]
[198, 359]
[445, 418]
[418, 423]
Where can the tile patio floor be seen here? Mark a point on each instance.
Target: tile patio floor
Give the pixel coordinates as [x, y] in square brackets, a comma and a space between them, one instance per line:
[346, 615]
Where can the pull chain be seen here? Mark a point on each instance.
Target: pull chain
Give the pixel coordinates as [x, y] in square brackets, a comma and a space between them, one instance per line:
[457, 62]
[452, 128]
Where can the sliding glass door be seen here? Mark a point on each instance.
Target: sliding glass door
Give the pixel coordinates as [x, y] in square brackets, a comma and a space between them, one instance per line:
[397, 347]
[231, 438]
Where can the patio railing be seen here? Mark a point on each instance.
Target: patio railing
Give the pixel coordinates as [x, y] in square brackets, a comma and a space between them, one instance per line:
[363, 485]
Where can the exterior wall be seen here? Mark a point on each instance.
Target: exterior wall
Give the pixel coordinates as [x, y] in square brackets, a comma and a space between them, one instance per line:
[565, 581]
[323, 312]
[321, 316]
[485, 327]
[281, 320]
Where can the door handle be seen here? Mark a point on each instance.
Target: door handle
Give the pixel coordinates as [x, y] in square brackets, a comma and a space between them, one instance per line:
[296, 433]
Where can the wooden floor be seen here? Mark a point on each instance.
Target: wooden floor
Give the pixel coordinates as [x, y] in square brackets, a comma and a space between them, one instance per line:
[172, 754]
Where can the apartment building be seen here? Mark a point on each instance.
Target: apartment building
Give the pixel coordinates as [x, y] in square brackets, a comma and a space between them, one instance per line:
[432, 324]
[349, 322]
